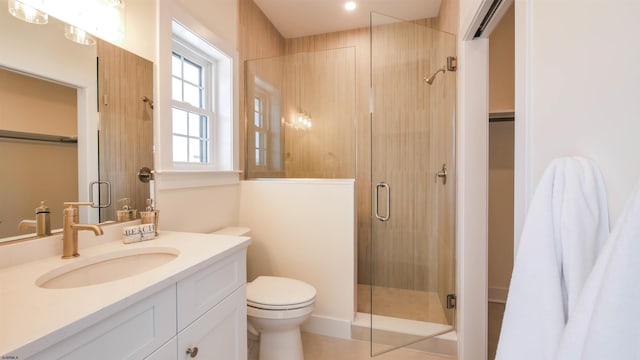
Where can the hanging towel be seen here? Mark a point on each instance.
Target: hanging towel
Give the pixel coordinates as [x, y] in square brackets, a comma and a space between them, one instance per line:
[606, 321]
[566, 227]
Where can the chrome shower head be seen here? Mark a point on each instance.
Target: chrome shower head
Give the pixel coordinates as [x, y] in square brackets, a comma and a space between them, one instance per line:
[429, 80]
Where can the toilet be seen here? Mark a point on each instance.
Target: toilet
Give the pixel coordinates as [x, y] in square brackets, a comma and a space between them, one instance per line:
[276, 307]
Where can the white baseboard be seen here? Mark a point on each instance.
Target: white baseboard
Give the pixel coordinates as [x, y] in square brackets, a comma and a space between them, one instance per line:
[328, 326]
[498, 294]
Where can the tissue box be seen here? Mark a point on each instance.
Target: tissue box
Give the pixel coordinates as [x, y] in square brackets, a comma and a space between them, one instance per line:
[131, 234]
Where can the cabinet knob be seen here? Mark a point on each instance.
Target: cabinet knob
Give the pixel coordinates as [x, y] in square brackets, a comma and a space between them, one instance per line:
[193, 352]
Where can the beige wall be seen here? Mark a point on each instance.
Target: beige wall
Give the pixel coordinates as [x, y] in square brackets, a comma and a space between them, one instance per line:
[501, 157]
[500, 207]
[32, 105]
[35, 171]
[502, 65]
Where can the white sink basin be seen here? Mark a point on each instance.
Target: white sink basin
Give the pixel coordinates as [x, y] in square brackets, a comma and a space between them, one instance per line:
[111, 266]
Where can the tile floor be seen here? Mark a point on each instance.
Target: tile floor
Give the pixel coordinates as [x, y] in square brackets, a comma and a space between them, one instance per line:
[318, 347]
[416, 305]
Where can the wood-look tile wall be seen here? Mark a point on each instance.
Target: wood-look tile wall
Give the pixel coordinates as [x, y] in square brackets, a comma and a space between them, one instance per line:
[126, 125]
[257, 39]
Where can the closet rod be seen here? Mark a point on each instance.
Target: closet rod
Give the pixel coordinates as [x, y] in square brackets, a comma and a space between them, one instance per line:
[8, 134]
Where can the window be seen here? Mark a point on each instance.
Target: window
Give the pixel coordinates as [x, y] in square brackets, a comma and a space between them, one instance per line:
[203, 107]
[192, 111]
[261, 129]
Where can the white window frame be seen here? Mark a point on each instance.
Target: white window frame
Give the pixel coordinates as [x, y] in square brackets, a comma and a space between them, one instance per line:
[222, 127]
[209, 105]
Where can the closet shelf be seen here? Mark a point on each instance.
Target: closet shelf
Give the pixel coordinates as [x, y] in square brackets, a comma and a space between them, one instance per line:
[8, 134]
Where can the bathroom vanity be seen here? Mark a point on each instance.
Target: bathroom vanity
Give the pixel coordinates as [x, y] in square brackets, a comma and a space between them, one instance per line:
[180, 296]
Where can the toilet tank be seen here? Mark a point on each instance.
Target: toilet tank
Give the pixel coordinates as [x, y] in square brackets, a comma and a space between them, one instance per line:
[234, 230]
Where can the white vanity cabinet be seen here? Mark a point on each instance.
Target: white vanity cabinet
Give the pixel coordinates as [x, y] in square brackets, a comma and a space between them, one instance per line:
[132, 333]
[202, 316]
[212, 312]
[221, 333]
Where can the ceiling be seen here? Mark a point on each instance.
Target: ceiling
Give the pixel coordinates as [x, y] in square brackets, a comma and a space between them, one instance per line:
[296, 18]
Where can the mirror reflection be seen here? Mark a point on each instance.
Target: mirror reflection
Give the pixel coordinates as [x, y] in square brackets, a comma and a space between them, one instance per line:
[50, 105]
[38, 149]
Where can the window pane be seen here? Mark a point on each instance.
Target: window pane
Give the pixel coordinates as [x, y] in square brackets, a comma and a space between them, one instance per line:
[194, 150]
[176, 89]
[192, 72]
[205, 150]
[257, 120]
[192, 95]
[194, 125]
[179, 149]
[179, 121]
[257, 140]
[256, 104]
[258, 158]
[176, 65]
[204, 127]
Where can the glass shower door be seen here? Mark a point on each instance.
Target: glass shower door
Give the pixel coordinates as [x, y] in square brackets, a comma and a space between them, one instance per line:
[412, 181]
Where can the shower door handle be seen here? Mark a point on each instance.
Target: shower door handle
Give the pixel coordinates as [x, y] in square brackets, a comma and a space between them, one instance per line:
[388, 200]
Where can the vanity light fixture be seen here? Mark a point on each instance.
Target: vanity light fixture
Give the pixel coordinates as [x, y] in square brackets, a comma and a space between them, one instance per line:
[350, 5]
[27, 13]
[114, 3]
[78, 35]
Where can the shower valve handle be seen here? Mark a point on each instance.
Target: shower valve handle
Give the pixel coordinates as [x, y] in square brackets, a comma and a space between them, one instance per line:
[442, 174]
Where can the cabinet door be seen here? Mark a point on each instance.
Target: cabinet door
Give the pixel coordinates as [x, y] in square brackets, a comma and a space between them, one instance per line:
[221, 333]
[130, 334]
[168, 351]
[203, 290]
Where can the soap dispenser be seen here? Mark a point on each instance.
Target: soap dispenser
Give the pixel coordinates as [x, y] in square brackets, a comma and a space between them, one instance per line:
[43, 220]
[150, 215]
[126, 213]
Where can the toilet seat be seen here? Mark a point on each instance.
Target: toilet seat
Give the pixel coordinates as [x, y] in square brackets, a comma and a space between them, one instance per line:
[278, 293]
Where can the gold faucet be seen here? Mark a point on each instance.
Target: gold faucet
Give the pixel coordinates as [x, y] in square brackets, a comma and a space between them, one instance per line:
[71, 227]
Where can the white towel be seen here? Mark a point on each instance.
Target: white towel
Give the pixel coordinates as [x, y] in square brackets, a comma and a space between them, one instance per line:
[606, 321]
[565, 229]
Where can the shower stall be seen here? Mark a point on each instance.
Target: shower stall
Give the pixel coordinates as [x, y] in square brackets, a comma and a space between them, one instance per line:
[410, 246]
[380, 110]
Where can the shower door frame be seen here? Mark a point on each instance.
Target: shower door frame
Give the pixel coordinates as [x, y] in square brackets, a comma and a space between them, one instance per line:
[383, 206]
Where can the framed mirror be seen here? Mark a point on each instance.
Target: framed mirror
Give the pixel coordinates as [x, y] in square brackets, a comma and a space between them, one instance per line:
[42, 65]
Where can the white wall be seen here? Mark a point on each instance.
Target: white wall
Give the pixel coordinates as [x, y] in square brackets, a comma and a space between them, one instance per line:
[191, 201]
[201, 209]
[578, 80]
[305, 229]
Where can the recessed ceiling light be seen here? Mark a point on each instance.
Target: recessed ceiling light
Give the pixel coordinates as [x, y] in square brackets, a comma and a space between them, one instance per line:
[350, 5]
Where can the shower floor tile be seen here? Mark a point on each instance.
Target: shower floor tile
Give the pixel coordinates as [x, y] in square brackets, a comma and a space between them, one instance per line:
[402, 303]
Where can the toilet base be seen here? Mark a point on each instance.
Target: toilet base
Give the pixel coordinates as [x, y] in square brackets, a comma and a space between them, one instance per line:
[281, 345]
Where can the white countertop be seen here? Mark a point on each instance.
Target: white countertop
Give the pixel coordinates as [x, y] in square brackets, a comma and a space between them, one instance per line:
[34, 318]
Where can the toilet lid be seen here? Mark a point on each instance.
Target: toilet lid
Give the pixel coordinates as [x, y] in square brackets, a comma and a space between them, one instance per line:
[271, 292]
